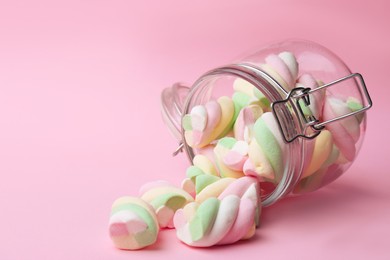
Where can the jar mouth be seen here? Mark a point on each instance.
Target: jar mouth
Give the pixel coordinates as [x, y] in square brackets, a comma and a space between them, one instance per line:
[200, 93]
[172, 105]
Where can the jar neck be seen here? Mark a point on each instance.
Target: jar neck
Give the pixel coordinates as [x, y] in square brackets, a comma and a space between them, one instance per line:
[172, 106]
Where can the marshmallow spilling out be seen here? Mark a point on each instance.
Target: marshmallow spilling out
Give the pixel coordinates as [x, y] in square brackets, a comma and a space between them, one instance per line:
[133, 224]
[165, 199]
[201, 174]
[222, 218]
[240, 156]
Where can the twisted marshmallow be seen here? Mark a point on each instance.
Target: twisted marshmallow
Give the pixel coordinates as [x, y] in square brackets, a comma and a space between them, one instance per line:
[283, 68]
[243, 127]
[323, 146]
[133, 224]
[245, 94]
[165, 199]
[266, 150]
[345, 132]
[207, 123]
[315, 180]
[335, 146]
[257, 164]
[230, 157]
[199, 175]
[223, 220]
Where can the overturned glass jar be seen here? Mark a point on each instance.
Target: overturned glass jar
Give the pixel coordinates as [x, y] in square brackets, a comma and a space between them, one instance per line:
[292, 114]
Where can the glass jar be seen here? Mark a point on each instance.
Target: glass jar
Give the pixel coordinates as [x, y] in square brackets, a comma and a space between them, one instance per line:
[312, 106]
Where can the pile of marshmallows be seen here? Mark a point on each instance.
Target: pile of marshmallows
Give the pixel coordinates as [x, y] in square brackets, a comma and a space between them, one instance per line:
[238, 146]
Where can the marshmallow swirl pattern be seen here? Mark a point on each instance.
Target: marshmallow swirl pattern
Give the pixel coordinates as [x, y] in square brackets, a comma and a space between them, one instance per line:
[313, 181]
[199, 175]
[246, 94]
[215, 221]
[323, 145]
[345, 132]
[224, 212]
[269, 139]
[245, 187]
[243, 127]
[258, 164]
[207, 123]
[230, 157]
[133, 224]
[199, 124]
[165, 198]
[283, 68]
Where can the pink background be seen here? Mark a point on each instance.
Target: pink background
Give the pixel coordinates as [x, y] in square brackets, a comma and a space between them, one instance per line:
[80, 125]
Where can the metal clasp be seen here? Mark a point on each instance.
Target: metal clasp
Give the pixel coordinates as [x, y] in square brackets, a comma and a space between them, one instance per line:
[179, 149]
[312, 122]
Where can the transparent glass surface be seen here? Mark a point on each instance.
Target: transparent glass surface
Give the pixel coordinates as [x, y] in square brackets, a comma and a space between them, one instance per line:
[244, 138]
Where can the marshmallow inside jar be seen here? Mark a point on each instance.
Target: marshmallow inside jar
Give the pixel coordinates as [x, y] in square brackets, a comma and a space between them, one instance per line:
[254, 118]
